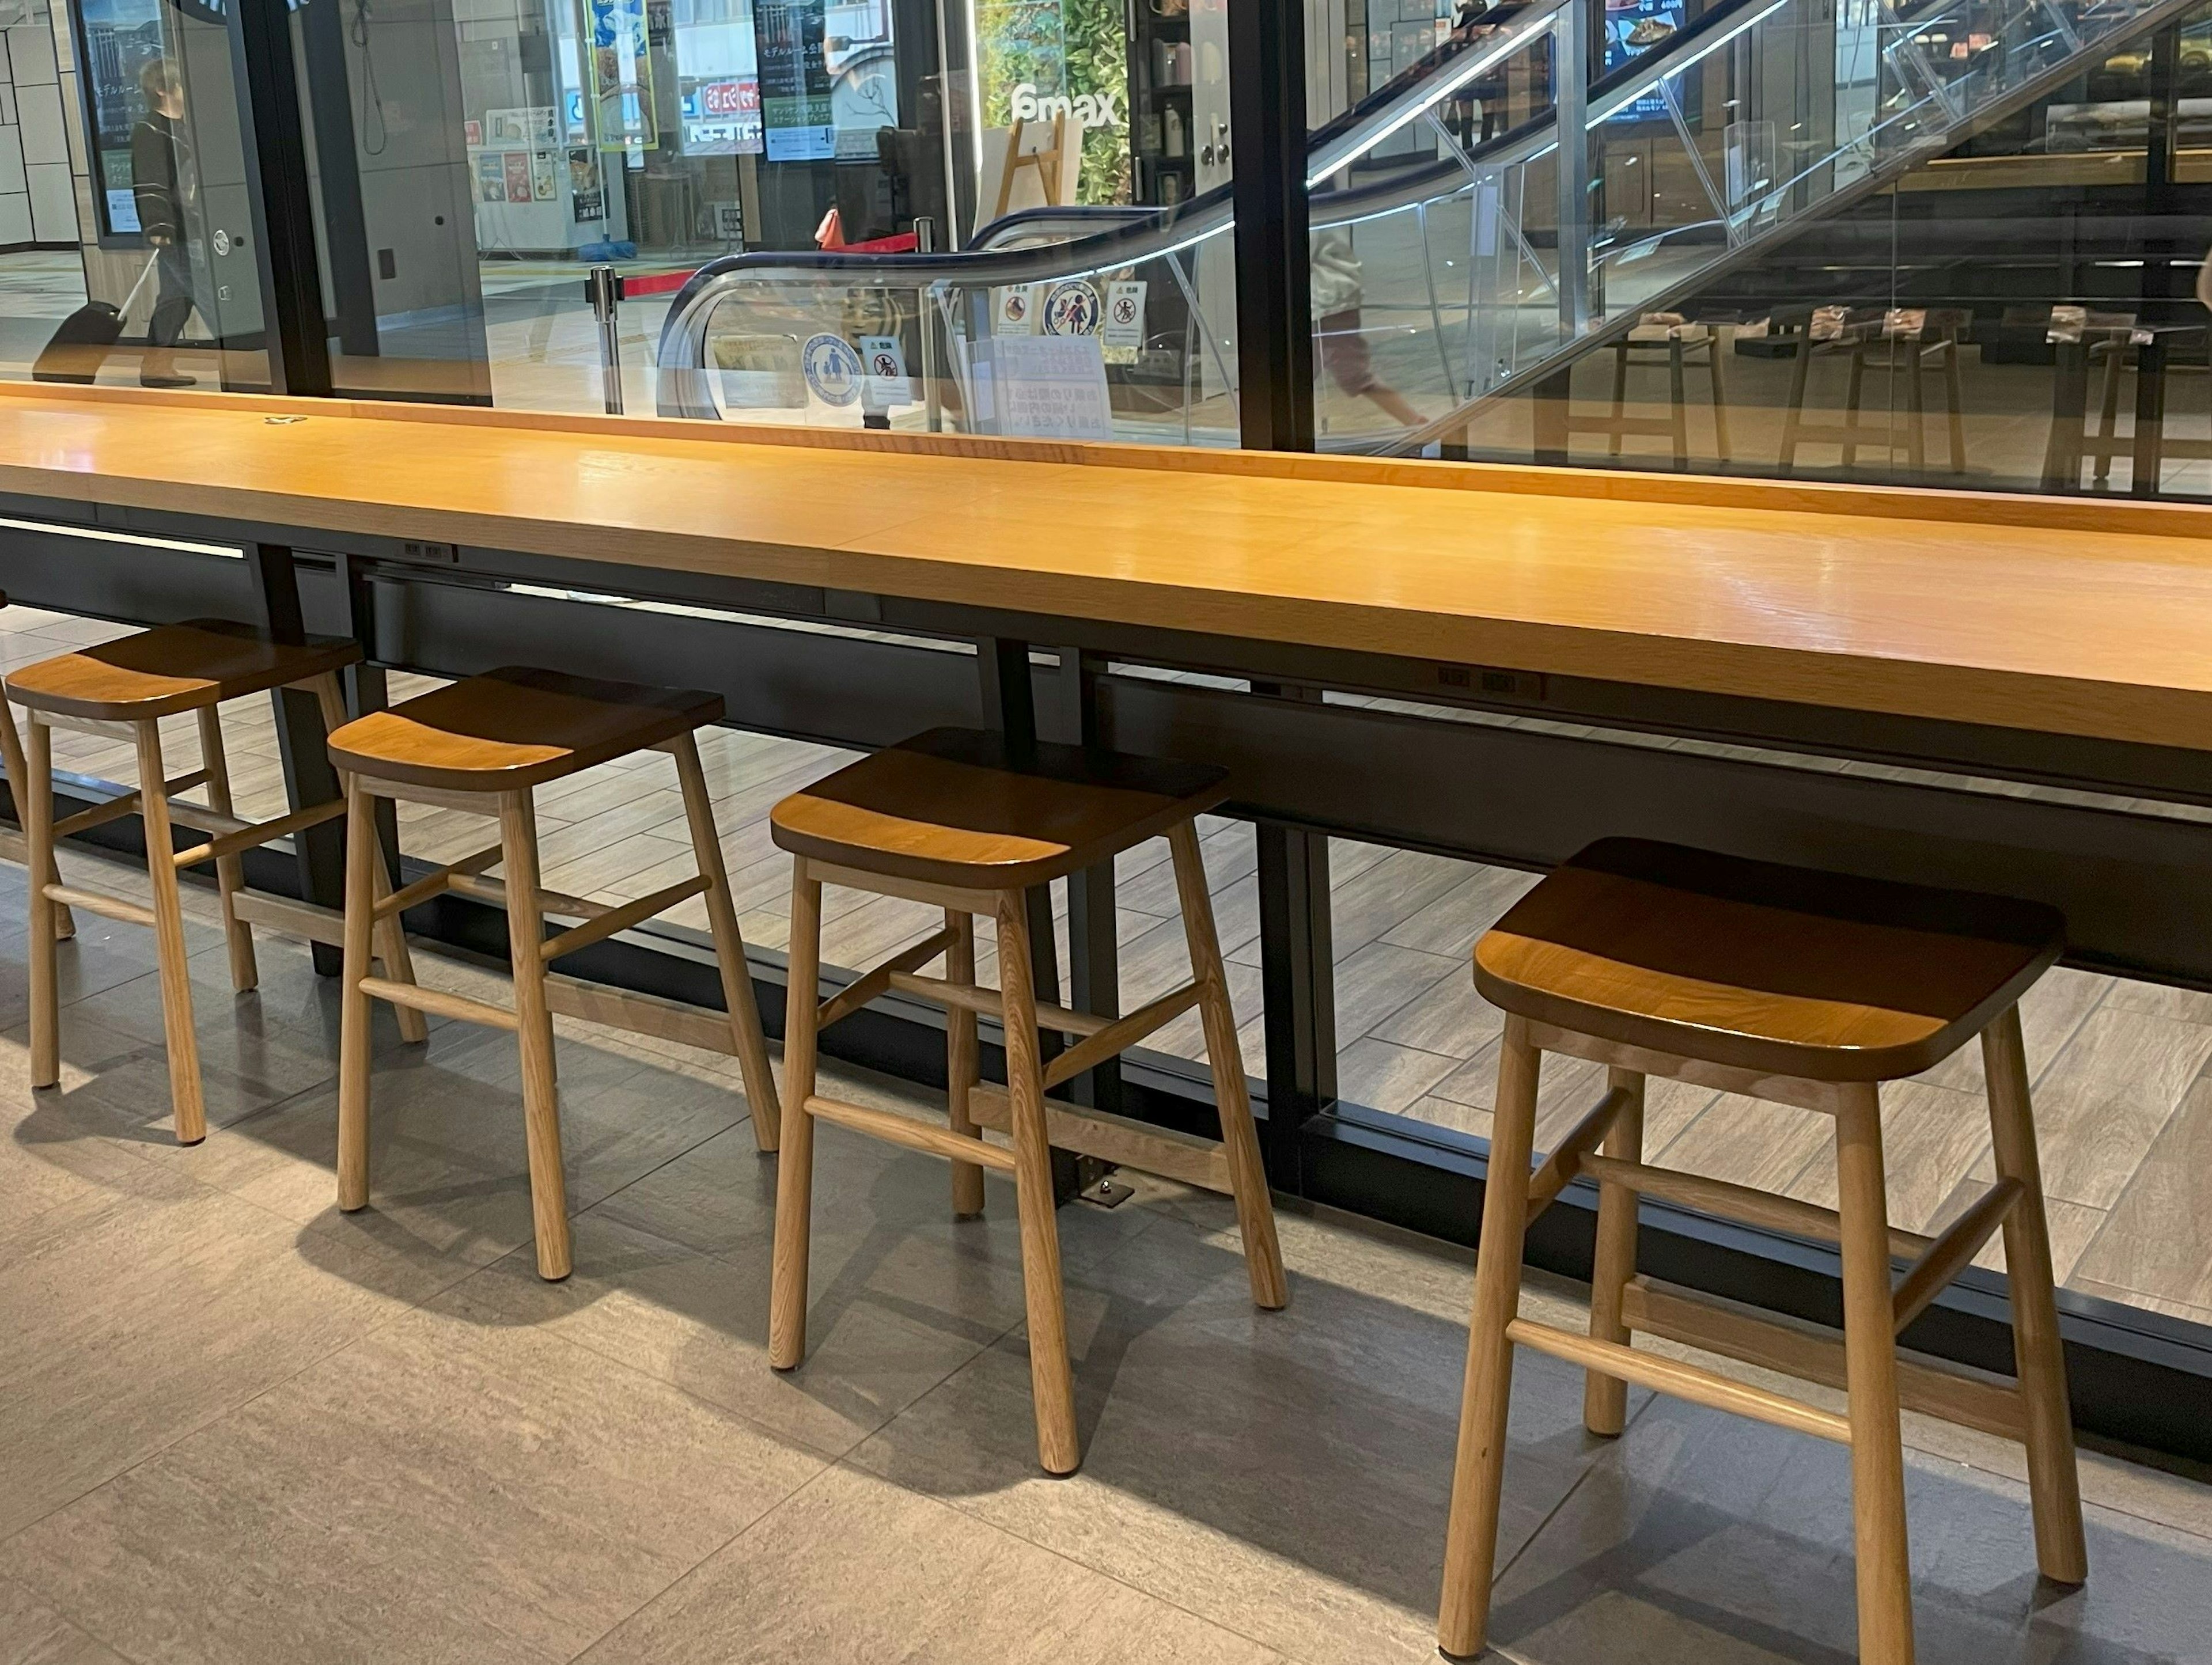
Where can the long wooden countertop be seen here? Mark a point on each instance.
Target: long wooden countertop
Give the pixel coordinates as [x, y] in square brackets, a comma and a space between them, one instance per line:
[2072, 616]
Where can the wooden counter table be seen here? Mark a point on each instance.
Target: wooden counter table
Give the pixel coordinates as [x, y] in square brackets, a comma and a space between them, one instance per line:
[1501, 664]
[2081, 618]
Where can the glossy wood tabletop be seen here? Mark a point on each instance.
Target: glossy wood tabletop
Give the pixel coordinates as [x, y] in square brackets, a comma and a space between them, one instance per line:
[2065, 616]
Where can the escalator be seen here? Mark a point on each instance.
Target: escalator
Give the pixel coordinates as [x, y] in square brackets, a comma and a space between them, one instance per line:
[1451, 269]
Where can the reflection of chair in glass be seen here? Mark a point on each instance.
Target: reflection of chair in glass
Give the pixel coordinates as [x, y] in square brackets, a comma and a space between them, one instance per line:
[1795, 987]
[1906, 340]
[1668, 341]
[2124, 348]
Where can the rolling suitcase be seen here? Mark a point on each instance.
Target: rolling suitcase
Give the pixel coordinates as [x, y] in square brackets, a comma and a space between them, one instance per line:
[79, 344]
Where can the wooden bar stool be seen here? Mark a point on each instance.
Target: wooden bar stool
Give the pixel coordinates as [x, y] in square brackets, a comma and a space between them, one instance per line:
[480, 745]
[122, 689]
[950, 818]
[15, 842]
[1802, 989]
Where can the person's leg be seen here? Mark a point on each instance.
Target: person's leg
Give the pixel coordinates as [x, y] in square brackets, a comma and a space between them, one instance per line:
[173, 305]
[1344, 355]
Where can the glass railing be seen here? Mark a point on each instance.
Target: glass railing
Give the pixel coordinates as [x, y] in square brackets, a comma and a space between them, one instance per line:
[1453, 262]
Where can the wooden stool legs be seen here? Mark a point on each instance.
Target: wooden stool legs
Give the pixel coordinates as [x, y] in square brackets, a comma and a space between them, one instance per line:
[229, 870]
[1052, 1381]
[1885, 1570]
[1471, 1537]
[36, 804]
[1256, 1216]
[1874, 1312]
[795, 1179]
[362, 859]
[541, 1097]
[18, 771]
[746, 1039]
[184, 1047]
[962, 1055]
[1605, 1398]
[2054, 1483]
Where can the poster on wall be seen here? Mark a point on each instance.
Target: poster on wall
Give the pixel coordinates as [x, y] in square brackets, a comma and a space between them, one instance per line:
[491, 176]
[621, 67]
[544, 180]
[586, 195]
[722, 118]
[517, 174]
[794, 81]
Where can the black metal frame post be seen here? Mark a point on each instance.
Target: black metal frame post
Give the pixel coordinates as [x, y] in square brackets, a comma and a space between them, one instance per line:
[294, 325]
[301, 742]
[1274, 298]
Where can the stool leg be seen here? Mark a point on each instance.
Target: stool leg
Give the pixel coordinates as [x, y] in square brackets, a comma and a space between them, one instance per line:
[1854, 389]
[1620, 396]
[356, 1013]
[1915, 406]
[2107, 435]
[1678, 414]
[391, 935]
[541, 1092]
[1052, 1383]
[19, 777]
[1954, 390]
[1605, 1398]
[1471, 1539]
[1247, 1175]
[2054, 1484]
[729, 948]
[1885, 1567]
[36, 804]
[961, 1052]
[795, 1179]
[1794, 417]
[1720, 396]
[229, 870]
[174, 956]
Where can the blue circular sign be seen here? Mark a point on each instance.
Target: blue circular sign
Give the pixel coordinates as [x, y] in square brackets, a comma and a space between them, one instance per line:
[1071, 309]
[832, 368]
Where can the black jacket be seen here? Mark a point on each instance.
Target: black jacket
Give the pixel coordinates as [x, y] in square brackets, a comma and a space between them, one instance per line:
[160, 167]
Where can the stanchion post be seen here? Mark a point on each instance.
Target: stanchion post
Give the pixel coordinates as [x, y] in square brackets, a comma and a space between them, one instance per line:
[602, 288]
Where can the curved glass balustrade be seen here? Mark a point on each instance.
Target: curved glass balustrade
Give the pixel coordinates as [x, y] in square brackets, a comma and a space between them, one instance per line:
[1457, 258]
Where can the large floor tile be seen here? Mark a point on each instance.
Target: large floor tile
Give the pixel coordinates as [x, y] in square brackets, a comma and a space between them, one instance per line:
[449, 1488]
[1703, 1538]
[32, 1633]
[149, 1304]
[941, 1588]
[448, 1167]
[702, 1324]
[1287, 1474]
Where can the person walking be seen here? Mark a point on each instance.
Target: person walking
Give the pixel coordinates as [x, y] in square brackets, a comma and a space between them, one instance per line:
[165, 185]
[1337, 293]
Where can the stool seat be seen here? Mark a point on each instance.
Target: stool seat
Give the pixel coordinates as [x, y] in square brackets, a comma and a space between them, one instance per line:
[1767, 968]
[171, 669]
[516, 727]
[950, 807]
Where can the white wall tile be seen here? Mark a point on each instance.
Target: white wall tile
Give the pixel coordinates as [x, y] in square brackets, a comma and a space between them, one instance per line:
[7, 104]
[15, 220]
[53, 201]
[12, 179]
[39, 115]
[31, 55]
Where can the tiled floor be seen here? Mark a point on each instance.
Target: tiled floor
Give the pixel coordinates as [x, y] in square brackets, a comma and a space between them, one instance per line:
[2122, 1095]
[242, 1427]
